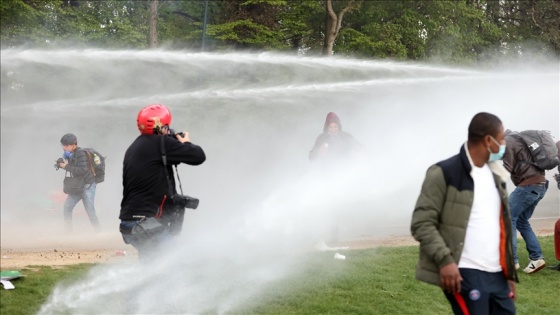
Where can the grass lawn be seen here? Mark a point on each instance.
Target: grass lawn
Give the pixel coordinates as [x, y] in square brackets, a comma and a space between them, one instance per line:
[371, 281]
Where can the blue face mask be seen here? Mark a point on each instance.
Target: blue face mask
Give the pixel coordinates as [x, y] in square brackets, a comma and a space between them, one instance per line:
[67, 155]
[500, 154]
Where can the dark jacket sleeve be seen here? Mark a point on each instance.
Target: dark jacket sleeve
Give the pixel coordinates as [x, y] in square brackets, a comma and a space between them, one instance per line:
[187, 152]
[509, 156]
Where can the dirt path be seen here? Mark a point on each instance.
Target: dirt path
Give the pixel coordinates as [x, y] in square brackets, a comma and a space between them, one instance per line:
[62, 249]
[56, 256]
[101, 250]
[17, 259]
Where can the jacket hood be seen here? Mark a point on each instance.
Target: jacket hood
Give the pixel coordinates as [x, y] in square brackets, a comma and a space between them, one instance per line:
[332, 118]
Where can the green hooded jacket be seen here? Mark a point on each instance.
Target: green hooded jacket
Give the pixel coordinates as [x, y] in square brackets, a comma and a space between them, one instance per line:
[441, 215]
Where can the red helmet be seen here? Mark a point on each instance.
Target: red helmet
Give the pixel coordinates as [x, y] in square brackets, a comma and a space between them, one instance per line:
[152, 118]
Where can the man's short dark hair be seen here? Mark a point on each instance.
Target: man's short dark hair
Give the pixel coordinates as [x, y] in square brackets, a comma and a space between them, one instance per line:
[483, 124]
[69, 139]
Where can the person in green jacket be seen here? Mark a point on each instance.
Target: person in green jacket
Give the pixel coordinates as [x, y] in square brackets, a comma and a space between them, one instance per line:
[463, 224]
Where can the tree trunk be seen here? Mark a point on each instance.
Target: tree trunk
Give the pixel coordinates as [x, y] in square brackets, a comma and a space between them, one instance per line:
[334, 23]
[296, 42]
[153, 36]
[330, 29]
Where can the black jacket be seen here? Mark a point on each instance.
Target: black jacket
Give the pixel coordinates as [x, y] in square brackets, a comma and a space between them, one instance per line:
[78, 166]
[145, 187]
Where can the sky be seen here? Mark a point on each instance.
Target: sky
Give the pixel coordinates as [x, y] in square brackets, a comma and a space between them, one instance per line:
[256, 116]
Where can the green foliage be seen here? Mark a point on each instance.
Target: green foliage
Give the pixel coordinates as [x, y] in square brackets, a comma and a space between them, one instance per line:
[302, 25]
[245, 34]
[112, 24]
[180, 23]
[443, 30]
[463, 32]
[453, 31]
[534, 22]
[104, 24]
[22, 22]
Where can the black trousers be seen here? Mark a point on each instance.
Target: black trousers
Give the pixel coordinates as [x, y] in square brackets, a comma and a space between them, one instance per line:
[482, 293]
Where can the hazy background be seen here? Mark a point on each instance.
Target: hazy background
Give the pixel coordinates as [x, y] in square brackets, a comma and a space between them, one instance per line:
[256, 116]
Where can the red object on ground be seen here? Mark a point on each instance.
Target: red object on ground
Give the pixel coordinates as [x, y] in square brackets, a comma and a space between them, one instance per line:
[557, 239]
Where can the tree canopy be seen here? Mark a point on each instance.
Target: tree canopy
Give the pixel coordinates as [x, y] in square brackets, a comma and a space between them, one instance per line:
[462, 31]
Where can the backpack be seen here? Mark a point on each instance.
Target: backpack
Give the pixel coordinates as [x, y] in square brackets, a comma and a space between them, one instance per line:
[96, 164]
[542, 148]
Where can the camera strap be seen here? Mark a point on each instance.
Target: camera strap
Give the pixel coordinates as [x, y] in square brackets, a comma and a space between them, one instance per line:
[164, 158]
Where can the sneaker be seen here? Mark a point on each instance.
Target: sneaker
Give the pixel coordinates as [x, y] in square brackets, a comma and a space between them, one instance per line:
[517, 266]
[534, 266]
[557, 267]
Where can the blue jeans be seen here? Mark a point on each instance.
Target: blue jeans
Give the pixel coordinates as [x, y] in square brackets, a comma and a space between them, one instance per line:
[87, 196]
[522, 203]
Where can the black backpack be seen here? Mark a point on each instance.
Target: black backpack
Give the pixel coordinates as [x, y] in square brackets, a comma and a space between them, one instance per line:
[96, 164]
[542, 148]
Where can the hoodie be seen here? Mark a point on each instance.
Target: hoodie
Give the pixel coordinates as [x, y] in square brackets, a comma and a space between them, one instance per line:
[331, 118]
[333, 147]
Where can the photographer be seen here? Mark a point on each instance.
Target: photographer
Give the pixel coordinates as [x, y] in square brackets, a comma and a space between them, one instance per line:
[79, 182]
[151, 210]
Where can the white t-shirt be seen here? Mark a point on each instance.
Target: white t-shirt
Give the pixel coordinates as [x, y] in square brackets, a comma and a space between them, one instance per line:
[481, 249]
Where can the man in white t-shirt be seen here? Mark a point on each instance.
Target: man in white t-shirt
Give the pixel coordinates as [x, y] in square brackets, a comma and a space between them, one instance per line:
[463, 224]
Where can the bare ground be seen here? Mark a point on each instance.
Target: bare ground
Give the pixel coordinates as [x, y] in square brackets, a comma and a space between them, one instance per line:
[77, 251]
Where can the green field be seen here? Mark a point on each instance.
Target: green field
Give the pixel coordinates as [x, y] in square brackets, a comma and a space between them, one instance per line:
[370, 281]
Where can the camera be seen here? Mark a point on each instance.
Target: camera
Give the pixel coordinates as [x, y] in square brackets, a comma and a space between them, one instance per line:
[60, 160]
[181, 201]
[173, 133]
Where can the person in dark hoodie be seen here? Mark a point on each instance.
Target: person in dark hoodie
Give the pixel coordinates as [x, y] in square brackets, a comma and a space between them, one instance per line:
[334, 147]
[333, 144]
[147, 206]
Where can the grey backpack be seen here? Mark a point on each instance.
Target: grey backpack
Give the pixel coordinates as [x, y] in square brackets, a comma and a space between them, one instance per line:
[542, 148]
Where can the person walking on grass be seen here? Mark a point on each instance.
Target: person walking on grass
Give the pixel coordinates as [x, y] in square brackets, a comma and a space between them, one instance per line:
[530, 187]
[463, 224]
